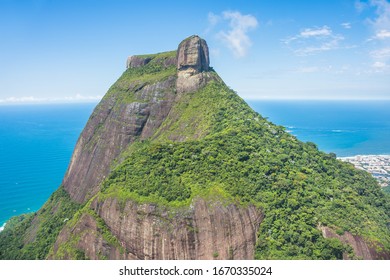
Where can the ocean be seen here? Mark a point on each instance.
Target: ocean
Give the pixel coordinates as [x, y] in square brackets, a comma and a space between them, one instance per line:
[36, 141]
[346, 128]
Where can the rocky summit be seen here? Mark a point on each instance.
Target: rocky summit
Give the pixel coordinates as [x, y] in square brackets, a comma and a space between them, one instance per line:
[172, 164]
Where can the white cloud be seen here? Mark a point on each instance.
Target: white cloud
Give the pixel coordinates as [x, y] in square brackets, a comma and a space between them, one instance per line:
[316, 32]
[315, 69]
[32, 99]
[380, 38]
[380, 53]
[309, 69]
[383, 14]
[314, 40]
[379, 64]
[22, 99]
[346, 25]
[79, 97]
[382, 34]
[236, 38]
[380, 67]
[213, 19]
[360, 6]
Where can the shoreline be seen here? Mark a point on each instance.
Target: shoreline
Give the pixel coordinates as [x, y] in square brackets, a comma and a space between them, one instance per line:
[2, 227]
[377, 165]
[371, 155]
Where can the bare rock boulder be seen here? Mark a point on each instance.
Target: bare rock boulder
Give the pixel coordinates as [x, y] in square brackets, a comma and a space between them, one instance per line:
[135, 61]
[192, 64]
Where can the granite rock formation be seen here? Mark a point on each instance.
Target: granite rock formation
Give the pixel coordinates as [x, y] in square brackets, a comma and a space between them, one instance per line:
[361, 249]
[192, 64]
[208, 230]
[173, 164]
[193, 55]
[115, 124]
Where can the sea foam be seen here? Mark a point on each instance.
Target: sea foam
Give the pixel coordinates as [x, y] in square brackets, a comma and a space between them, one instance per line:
[2, 227]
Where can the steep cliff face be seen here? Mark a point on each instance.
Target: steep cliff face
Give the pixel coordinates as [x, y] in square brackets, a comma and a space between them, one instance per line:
[361, 248]
[173, 164]
[192, 65]
[111, 128]
[169, 134]
[206, 230]
[135, 110]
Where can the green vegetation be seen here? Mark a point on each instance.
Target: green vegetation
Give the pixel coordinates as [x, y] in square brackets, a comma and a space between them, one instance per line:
[125, 88]
[31, 236]
[69, 249]
[246, 159]
[213, 145]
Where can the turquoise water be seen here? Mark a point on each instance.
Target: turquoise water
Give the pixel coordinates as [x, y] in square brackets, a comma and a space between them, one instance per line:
[346, 128]
[36, 142]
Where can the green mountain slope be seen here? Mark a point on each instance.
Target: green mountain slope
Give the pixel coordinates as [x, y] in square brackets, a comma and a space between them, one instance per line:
[205, 156]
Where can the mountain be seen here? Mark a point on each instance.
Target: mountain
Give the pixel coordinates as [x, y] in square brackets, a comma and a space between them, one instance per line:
[173, 164]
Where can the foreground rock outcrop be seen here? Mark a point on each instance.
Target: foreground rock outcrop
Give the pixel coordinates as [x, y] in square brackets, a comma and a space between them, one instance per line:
[361, 249]
[207, 230]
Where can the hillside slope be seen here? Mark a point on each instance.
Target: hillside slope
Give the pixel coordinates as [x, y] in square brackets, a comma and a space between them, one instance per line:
[173, 164]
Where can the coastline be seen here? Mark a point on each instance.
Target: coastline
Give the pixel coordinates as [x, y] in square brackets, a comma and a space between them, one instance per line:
[2, 227]
[377, 165]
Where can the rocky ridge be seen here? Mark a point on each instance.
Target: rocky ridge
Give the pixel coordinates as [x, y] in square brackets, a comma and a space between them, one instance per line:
[205, 231]
[173, 164]
[115, 124]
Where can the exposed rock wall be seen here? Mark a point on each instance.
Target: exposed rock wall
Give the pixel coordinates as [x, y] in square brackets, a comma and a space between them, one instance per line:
[207, 230]
[110, 129]
[360, 247]
[135, 61]
[89, 238]
[192, 64]
[193, 55]
[114, 125]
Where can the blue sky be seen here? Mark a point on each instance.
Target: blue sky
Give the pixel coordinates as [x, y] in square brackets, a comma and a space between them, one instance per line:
[68, 51]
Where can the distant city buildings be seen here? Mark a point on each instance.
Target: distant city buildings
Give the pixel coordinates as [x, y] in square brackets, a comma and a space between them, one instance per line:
[377, 165]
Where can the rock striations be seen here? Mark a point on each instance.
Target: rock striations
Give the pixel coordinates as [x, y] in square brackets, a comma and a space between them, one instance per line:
[145, 231]
[192, 64]
[115, 124]
[172, 164]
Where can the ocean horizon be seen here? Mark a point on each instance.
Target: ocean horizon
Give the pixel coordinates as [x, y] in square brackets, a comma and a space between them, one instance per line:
[346, 128]
[37, 141]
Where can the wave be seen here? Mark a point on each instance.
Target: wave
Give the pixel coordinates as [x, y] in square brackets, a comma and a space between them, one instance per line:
[2, 227]
[343, 130]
